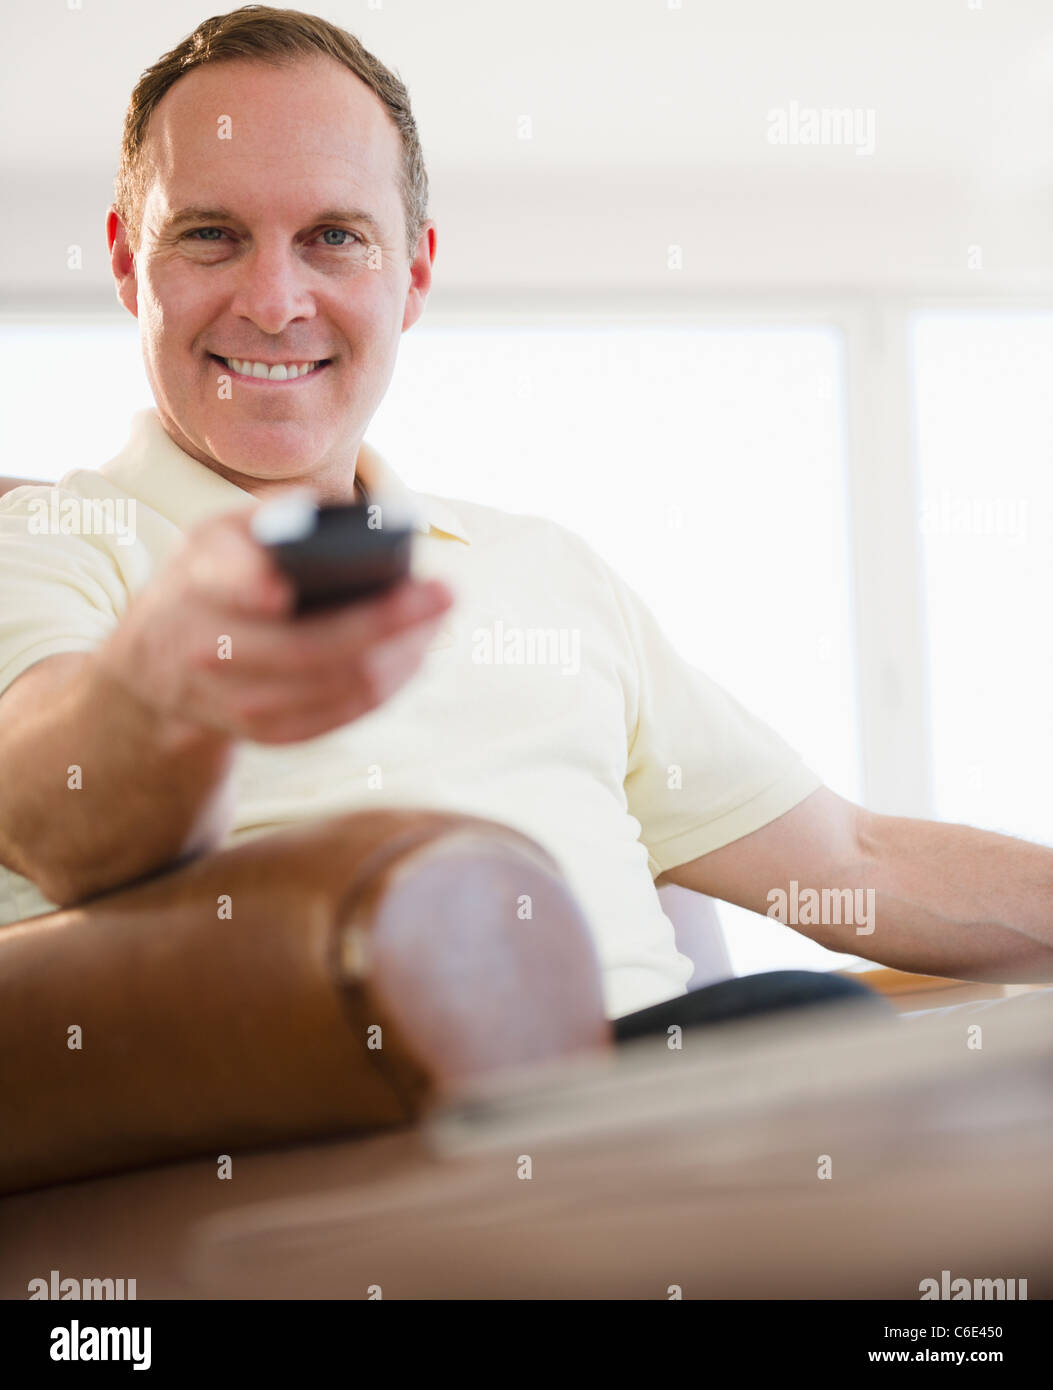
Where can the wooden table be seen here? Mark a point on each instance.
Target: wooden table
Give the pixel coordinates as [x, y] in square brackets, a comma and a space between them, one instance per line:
[699, 1169]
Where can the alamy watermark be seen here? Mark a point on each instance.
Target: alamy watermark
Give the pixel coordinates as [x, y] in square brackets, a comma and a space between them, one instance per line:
[853, 127]
[950, 515]
[803, 907]
[498, 645]
[83, 516]
[80, 1343]
[57, 1287]
[947, 1288]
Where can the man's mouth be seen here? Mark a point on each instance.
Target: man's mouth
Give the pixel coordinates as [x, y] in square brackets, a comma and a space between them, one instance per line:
[249, 370]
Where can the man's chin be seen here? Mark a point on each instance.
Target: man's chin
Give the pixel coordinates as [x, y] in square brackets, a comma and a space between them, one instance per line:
[249, 450]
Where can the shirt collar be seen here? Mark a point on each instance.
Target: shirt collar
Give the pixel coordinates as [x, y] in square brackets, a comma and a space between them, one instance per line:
[429, 513]
[153, 468]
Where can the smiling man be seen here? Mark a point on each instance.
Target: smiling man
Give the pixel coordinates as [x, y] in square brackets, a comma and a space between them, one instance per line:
[260, 236]
[270, 234]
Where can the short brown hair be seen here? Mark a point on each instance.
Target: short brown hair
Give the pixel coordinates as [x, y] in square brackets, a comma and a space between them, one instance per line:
[270, 36]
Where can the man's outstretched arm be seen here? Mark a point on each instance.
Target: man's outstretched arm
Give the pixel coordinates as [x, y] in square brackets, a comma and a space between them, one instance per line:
[946, 899]
[151, 718]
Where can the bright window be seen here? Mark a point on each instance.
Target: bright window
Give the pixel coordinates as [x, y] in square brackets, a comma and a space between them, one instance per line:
[984, 420]
[68, 391]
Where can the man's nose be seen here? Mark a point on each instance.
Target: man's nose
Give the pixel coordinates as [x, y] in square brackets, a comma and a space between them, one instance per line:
[272, 289]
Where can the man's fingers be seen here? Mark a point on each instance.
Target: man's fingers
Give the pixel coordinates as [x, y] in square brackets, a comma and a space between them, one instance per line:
[325, 645]
[281, 711]
[361, 624]
[229, 568]
[389, 664]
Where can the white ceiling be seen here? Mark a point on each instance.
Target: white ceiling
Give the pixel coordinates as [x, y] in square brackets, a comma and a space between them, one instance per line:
[650, 128]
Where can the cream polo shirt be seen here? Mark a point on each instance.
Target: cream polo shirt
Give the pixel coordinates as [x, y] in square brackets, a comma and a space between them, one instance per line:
[551, 700]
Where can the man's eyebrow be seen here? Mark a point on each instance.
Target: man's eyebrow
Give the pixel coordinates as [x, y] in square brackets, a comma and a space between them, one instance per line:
[358, 215]
[200, 215]
[196, 214]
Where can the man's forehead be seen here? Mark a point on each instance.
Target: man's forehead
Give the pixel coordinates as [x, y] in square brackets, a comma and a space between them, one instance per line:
[259, 114]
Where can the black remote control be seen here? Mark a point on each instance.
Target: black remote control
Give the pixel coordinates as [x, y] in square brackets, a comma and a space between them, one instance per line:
[335, 553]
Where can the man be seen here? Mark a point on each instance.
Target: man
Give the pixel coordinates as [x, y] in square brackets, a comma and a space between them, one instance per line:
[270, 235]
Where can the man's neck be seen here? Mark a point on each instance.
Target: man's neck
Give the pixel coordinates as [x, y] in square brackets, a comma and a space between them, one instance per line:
[264, 487]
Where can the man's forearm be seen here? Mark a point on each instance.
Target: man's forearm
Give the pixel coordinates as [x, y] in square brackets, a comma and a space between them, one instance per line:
[951, 900]
[96, 790]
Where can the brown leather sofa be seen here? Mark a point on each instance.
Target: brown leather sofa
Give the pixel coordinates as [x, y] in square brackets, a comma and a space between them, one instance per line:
[334, 978]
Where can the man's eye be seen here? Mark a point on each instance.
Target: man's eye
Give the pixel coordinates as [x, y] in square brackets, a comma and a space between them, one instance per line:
[206, 233]
[338, 232]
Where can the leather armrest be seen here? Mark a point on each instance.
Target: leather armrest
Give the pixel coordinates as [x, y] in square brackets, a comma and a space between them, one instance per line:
[219, 1005]
[907, 991]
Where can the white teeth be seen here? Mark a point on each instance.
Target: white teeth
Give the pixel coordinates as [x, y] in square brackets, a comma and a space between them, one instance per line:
[281, 371]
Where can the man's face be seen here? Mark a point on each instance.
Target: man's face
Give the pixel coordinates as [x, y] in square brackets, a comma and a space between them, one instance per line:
[280, 265]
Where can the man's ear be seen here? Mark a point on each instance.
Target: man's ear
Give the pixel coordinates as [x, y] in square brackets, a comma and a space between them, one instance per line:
[122, 262]
[420, 276]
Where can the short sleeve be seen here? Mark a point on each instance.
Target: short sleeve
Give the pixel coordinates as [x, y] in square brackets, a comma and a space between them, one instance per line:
[702, 771]
[58, 593]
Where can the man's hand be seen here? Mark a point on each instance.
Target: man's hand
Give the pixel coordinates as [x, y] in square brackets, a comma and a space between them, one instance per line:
[211, 643]
[150, 720]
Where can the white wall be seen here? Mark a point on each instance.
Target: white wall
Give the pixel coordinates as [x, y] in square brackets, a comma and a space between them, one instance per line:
[649, 128]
